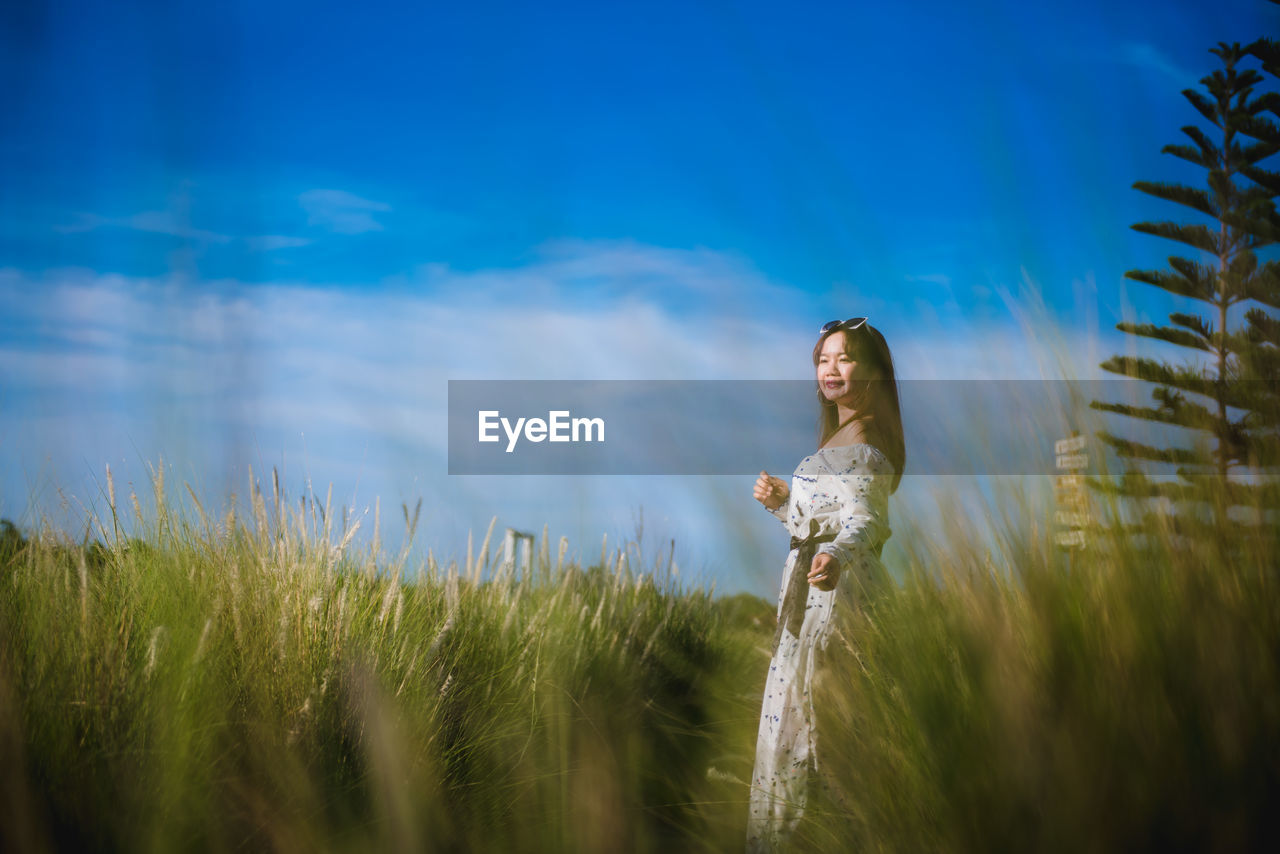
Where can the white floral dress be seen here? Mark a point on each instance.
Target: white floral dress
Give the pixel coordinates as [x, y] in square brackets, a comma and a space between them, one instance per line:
[842, 491]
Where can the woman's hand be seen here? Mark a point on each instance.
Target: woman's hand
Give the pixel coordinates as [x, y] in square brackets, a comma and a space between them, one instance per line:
[771, 491]
[824, 572]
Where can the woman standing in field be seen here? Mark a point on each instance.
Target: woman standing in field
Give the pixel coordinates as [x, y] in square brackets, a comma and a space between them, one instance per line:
[837, 513]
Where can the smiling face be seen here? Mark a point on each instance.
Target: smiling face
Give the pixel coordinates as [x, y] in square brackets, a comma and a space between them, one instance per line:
[839, 371]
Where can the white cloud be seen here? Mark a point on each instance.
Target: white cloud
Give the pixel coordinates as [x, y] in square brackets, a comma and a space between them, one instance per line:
[581, 311]
[342, 212]
[105, 366]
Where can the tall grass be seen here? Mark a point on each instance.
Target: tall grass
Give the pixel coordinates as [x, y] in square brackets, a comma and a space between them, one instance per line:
[251, 683]
[1120, 697]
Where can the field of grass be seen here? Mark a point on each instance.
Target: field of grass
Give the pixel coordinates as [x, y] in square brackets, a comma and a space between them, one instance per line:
[252, 683]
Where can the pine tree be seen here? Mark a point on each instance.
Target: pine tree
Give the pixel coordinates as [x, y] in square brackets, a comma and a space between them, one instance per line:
[1229, 369]
[1259, 346]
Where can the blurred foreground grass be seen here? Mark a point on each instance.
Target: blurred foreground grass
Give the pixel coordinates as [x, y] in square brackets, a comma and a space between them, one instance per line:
[246, 683]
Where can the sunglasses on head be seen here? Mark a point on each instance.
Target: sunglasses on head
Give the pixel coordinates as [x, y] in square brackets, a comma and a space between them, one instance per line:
[851, 323]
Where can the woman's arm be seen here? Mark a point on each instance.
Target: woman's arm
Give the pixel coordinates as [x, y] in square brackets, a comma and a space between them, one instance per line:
[864, 515]
[769, 489]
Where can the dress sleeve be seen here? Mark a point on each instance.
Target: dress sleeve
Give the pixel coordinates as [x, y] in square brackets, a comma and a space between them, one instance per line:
[862, 491]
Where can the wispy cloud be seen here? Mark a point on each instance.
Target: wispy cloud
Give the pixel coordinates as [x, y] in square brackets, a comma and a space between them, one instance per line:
[173, 224]
[83, 222]
[269, 242]
[935, 278]
[342, 212]
[170, 223]
[1147, 56]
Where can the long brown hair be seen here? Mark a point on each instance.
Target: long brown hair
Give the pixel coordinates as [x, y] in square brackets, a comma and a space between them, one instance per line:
[867, 344]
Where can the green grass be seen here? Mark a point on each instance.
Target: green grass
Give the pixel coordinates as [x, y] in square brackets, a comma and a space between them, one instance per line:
[1122, 699]
[221, 686]
[251, 683]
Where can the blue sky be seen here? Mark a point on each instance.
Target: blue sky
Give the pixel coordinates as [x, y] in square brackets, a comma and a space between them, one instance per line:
[269, 233]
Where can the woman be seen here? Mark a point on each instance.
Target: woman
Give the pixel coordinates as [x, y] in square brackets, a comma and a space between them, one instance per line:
[837, 513]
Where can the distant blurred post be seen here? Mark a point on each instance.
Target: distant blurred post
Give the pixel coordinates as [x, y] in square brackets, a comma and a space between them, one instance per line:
[517, 552]
[1071, 515]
